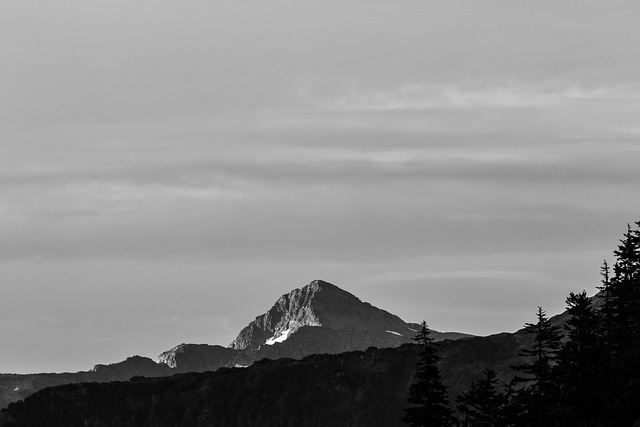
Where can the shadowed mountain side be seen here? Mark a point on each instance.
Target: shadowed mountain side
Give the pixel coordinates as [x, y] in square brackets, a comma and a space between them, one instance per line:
[203, 357]
[355, 388]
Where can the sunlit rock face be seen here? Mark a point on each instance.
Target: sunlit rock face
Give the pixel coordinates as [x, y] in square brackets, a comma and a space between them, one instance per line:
[290, 312]
[319, 304]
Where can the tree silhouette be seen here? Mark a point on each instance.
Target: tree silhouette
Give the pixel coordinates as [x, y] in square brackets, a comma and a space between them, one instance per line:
[539, 397]
[580, 370]
[427, 394]
[483, 405]
[622, 306]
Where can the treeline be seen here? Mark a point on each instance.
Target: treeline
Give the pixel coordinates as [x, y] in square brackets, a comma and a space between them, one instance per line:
[585, 375]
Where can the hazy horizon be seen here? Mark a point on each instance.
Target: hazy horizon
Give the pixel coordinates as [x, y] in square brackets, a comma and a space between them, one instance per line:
[168, 170]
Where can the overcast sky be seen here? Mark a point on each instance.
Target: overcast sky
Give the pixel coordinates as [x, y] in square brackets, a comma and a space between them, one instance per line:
[168, 169]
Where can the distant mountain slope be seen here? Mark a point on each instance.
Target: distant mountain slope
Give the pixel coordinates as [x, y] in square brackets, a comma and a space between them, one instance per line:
[14, 387]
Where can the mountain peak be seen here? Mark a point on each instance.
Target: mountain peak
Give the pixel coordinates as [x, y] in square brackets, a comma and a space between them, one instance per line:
[319, 284]
[319, 304]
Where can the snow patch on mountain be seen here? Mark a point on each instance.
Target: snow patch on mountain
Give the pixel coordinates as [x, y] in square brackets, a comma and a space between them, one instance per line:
[395, 333]
[282, 337]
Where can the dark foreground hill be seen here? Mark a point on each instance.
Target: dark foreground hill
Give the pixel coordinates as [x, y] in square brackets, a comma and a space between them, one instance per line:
[361, 388]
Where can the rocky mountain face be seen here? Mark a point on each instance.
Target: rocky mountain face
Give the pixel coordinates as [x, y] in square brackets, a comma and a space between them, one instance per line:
[319, 304]
[318, 318]
[361, 388]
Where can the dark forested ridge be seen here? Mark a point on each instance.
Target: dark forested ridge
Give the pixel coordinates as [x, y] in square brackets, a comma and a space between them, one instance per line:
[357, 388]
[362, 388]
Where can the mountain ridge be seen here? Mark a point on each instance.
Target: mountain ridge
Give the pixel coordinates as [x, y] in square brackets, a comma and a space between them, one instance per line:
[317, 318]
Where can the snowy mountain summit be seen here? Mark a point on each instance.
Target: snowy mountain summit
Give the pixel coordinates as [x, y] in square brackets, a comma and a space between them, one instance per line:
[321, 304]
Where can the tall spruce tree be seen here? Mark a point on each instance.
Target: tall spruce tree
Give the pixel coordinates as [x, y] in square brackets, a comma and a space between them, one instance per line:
[625, 289]
[427, 395]
[606, 310]
[483, 405]
[607, 344]
[580, 365]
[623, 306]
[537, 375]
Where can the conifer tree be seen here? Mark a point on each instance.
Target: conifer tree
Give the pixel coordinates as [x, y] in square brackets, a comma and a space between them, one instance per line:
[606, 311]
[580, 367]
[606, 343]
[514, 404]
[625, 293]
[539, 397]
[623, 306]
[427, 395]
[483, 405]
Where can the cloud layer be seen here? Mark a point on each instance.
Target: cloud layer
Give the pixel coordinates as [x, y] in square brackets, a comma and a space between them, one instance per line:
[422, 156]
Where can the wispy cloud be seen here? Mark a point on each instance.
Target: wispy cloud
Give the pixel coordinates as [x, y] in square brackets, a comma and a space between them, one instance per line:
[430, 275]
[217, 322]
[48, 319]
[429, 97]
